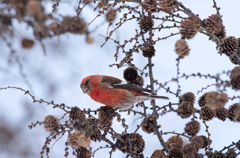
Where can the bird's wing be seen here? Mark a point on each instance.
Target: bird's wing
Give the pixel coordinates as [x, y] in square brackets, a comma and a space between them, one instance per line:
[131, 86]
[117, 83]
[110, 80]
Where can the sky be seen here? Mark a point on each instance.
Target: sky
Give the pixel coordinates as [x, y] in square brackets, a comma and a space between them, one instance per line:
[57, 76]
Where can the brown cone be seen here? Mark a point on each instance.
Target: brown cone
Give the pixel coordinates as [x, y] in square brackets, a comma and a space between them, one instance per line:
[146, 23]
[190, 27]
[50, 123]
[181, 48]
[148, 50]
[185, 109]
[187, 97]
[202, 100]
[76, 113]
[105, 117]
[235, 78]
[189, 151]
[175, 153]
[222, 113]
[206, 113]
[215, 26]
[158, 154]
[131, 143]
[130, 74]
[228, 46]
[174, 141]
[27, 43]
[234, 112]
[167, 6]
[192, 128]
[216, 100]
[77, 139]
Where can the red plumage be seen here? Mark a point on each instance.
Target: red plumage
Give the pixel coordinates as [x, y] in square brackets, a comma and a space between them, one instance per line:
[114, 92]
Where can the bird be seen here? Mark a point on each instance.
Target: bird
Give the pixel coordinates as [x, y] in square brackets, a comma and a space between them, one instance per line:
[114, 92]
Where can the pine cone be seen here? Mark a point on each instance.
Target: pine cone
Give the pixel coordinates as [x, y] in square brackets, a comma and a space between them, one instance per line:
[234, 112]
[167, 6]
[105, 117]
[150, 8]
[158, 154]
[202, 100]
[228, 46]
[83, 153]
[238, 145]
[235, 78]
[218, 155]
[50, 123]
[175, 153]
[174, 141]
[185, 109]
[222, 113]
[192, 128]
[147, 125]
[148, 50]
[206, 113]
[190, 27]
[235, 58]
[215, 26]
[187, 97]
[131, 143]
[130, 74]
[231, 153]
[181, 48]
[216, 100]
[27, 43]
[146, 23]
[77, 139]
[189, 151]
[78, 27]
[76, 113]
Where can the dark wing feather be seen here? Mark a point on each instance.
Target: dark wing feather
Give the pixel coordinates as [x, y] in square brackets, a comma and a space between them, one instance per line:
[131, 86]
[110, 80]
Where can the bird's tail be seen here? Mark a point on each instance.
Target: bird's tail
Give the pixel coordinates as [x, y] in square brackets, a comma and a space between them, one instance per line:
[159, 97]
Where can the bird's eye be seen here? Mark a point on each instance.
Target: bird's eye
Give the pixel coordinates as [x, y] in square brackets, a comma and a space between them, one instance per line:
[87, 82]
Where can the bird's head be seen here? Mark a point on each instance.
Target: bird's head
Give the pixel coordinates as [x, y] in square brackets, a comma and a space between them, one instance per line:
[90, 82]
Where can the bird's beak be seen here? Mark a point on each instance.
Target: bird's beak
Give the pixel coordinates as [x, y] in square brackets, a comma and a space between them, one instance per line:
[84, 89]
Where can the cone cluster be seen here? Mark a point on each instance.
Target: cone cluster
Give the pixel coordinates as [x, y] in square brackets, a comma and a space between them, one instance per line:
[185, 108]
[212, 105]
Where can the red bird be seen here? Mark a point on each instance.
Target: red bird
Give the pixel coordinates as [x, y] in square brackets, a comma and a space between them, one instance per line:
[114, 92]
